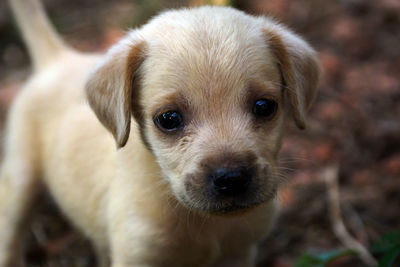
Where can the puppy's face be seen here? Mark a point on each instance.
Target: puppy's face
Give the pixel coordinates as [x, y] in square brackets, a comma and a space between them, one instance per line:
[210, 96]
[214, 121]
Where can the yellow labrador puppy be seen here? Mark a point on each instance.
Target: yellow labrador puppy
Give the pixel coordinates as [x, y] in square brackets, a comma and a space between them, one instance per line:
[163, 151]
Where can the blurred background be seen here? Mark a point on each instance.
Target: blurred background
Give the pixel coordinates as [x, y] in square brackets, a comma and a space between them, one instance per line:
[353, 136]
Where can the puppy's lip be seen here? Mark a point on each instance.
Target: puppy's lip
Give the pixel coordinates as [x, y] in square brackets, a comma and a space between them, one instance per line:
[234, 210]
[208, 202]
[227, 210]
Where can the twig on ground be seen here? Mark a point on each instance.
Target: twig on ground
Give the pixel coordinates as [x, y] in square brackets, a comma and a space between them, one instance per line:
[331, 179]
[355, 223]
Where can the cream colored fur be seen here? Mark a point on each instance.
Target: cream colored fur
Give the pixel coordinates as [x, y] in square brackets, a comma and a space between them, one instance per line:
[132, 202]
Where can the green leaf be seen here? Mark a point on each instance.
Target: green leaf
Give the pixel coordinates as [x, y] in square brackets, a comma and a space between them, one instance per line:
[389, 247]
[308, 260]
[322, 259]
[333, 255]
[387, 242]
[389, 257]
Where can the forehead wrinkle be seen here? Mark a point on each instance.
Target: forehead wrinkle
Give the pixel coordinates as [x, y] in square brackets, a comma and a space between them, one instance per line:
[209, 58]
[226, 130]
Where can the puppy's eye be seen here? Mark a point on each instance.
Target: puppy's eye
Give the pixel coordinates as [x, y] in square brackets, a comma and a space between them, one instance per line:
[169, 121]
[265, 108]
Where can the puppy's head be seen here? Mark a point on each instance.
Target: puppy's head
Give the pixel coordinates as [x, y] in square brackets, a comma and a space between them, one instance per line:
[209, 89]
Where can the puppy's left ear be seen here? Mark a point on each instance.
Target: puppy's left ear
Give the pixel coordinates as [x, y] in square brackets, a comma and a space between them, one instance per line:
[109, 88]
[299, 67]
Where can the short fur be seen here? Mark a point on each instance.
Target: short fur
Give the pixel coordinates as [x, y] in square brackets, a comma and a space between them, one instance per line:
[149, 203]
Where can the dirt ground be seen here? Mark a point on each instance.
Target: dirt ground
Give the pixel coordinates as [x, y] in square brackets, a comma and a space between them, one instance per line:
[354, 125]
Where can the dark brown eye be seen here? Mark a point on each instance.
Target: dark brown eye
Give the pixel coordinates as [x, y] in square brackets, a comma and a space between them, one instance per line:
[265, 108]
[169, 120]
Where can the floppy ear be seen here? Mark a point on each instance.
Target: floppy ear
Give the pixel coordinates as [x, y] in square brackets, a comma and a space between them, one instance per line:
[299, 68]
[109, 88]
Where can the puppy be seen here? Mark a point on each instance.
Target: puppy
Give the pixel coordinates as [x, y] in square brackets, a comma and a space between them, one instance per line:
[163, 152]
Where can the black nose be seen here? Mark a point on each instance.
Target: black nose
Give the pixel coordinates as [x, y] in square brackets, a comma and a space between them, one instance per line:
[231, 181]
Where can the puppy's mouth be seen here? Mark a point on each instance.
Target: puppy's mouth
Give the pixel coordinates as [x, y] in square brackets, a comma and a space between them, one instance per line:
[234, 209]
[223, 208]
[206, 200]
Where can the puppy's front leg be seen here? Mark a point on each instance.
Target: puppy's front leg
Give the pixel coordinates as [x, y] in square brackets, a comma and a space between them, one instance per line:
[102, 257]
[132, 249]
[244, 258]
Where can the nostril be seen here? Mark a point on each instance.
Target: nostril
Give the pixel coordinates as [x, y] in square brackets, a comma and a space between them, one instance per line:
[231, 181]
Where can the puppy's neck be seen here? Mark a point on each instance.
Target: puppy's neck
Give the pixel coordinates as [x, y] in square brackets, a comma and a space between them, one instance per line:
[138, 172]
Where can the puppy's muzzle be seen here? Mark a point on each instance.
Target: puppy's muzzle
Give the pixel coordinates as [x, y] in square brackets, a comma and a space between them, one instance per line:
[231, 181]
[228, 182]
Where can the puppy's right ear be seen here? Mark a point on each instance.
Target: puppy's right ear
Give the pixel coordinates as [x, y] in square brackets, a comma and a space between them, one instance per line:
[109, 88]
[299, 68]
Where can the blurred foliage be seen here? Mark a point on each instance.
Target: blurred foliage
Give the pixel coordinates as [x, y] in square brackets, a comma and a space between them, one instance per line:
[388, 247]
[322, 259]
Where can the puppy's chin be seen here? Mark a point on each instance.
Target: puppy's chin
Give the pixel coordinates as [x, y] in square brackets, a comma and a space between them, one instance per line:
[225, 207]
[234, 210]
